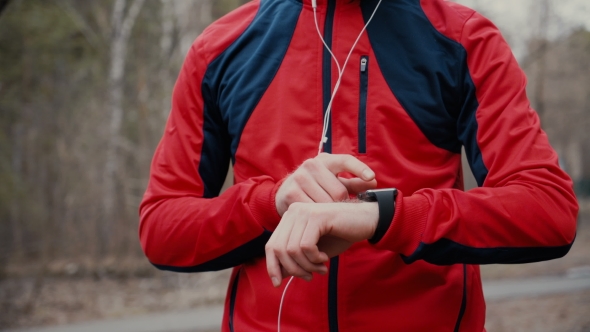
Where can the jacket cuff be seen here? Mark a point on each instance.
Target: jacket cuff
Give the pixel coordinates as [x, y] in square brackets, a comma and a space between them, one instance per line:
[405, 233]
[263, 207]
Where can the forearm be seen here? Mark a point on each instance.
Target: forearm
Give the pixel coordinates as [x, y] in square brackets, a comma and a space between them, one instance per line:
[191, 234]
[518, 223]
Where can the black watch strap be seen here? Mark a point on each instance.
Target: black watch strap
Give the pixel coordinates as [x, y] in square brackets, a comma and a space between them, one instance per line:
[385, 199]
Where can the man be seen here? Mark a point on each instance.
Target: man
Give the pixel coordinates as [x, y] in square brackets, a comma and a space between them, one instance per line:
[426, 78]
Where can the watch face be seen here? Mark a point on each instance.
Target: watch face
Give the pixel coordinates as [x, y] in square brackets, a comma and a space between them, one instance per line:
[371, 195]
[367, 196]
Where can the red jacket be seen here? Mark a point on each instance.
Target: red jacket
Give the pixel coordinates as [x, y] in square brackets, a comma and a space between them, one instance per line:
[438, 77]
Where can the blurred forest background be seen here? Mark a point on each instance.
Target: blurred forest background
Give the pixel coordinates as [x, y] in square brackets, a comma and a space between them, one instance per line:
[85, 92]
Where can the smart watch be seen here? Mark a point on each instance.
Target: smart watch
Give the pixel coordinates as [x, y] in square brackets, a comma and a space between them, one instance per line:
[385, 199]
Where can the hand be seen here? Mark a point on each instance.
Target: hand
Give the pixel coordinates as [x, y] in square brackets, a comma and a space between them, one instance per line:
[310, 233]
[316, 180]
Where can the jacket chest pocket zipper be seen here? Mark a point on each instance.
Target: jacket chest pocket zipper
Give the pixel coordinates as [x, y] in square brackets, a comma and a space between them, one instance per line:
[364, 87]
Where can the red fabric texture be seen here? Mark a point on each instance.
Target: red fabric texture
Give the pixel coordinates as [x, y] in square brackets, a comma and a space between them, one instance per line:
[526, 200]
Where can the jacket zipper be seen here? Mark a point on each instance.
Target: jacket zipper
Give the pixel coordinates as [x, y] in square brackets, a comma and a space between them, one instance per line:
[333, 295]
[327, 71]
[364, 86]
[232, 300]
[463, 301]
[327, 94]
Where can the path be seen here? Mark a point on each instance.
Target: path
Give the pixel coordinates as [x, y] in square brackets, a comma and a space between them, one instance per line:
[208, 319]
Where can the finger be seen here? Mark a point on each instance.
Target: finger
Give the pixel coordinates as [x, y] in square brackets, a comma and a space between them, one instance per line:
[274, 244]
[356, 185]
[295, 250]
[292, 268]
[346, 163]
[308, 243]
[279, 245]
[273, 267]
[290, 192]
[312, 189]
[316, 256]
[330, 184]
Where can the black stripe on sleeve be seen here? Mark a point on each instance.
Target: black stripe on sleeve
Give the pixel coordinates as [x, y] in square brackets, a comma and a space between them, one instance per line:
[447, 252]
[240, 255]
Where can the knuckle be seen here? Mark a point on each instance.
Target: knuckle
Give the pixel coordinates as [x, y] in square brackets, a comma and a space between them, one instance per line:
[292, 250]
[299, 178]
[270, 243]
[291, 196]
[273, 250]
[307, 247]
[308, 164]
[312, 166]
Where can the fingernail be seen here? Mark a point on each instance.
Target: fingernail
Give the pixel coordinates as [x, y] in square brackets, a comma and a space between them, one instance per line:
[307, 278]
[368, 174]
[275, 281]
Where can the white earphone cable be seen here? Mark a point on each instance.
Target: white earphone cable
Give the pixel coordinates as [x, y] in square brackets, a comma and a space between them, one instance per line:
[324, 138]
[323, 41]
[281, 305]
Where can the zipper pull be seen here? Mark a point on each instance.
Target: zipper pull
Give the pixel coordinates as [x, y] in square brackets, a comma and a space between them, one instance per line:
[363, 64]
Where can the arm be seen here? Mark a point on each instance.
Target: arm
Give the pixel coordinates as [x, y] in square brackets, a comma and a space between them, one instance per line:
[310, 233]
[184, 226]
[525, 209]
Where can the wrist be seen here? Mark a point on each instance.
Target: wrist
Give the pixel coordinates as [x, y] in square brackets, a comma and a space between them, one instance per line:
[370, 212]
[353, 220]
[263, 207]
[280, 205]
[385, 199]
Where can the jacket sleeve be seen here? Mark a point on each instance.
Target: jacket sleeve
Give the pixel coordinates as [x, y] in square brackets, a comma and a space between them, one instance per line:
[183, 225]
[524, 209]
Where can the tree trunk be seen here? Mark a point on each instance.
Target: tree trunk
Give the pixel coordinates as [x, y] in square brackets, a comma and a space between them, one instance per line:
[541, 75]
[15, 206]
[122, 24]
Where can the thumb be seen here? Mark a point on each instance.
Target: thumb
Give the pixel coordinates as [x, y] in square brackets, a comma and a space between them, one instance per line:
[356, 185]
[337, 163]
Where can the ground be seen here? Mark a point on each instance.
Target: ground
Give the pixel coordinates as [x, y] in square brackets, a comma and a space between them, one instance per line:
[559, 313]
[61, 299]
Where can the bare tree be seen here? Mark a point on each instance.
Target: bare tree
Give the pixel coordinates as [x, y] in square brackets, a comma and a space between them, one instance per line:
[178, 20]
[122, 22]
[541, 40]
